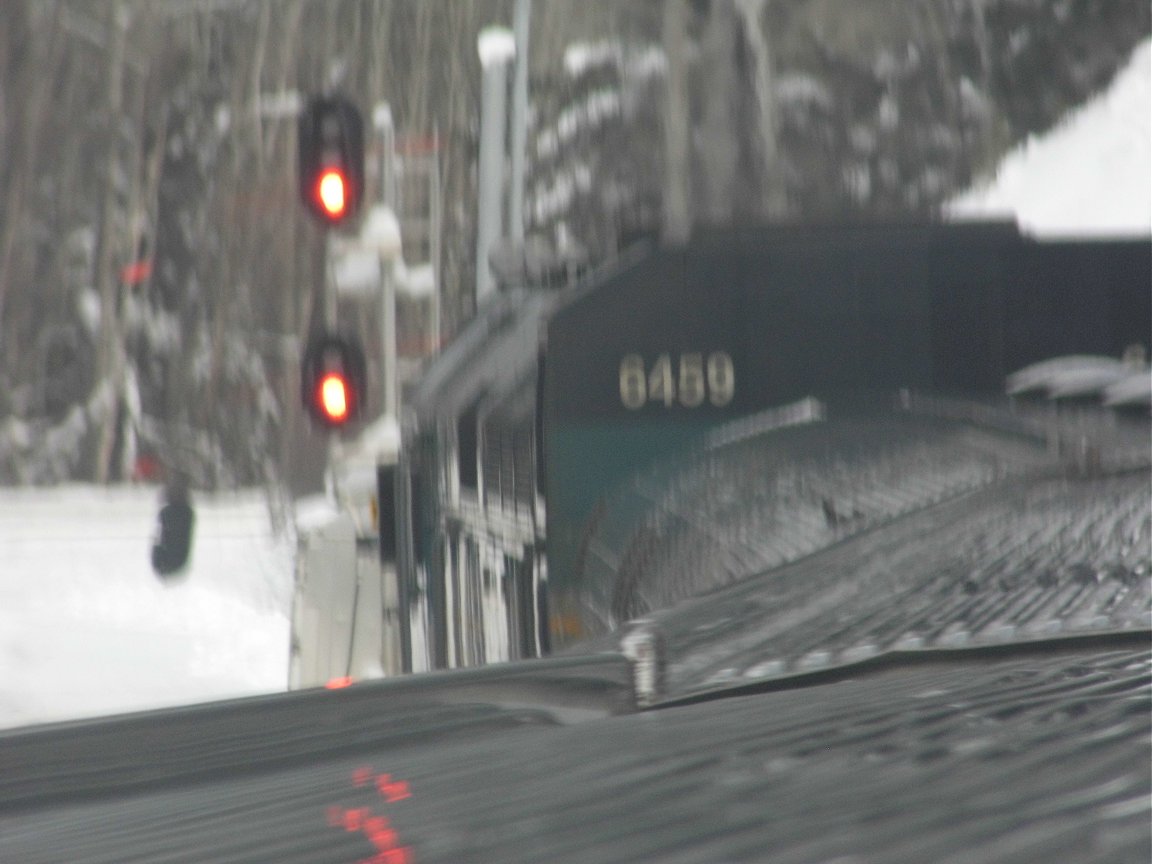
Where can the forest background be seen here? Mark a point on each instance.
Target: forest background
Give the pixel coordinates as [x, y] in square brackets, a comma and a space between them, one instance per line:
[158, 274]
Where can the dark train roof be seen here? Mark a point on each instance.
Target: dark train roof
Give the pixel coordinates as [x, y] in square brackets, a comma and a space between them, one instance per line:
[795, 540]
[490, 359]
[1032, 756]
[1025, 560]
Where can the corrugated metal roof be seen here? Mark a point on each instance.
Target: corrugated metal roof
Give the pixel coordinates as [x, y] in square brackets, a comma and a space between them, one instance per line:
[1027, 758]
[834, 541]
[1026, 560]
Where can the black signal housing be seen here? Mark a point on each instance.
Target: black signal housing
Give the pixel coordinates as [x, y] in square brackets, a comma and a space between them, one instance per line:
[330, 138]
[333, 380]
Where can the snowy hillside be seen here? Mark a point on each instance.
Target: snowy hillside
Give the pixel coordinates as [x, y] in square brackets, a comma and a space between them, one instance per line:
[1091, 176]
[86, 628]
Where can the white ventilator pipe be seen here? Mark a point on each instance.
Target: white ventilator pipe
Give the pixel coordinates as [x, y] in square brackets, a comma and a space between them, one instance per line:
[497, 47]
[520, 25]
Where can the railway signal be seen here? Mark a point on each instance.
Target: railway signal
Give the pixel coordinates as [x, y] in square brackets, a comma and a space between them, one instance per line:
[332, 380]
[330, 139]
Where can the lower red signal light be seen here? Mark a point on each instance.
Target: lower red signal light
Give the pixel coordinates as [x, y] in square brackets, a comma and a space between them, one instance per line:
[333, 393]
[332, 380]
[332, 194]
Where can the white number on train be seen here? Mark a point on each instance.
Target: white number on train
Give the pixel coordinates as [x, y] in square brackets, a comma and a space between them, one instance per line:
[691, 380]
[688, 380]
[721, 379]
[633, 382]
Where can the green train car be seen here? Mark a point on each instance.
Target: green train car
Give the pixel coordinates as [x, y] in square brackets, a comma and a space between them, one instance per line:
[644, 365]
[529, 443]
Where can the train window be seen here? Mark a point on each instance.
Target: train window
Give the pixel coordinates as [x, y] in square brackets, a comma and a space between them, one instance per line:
[468, 449]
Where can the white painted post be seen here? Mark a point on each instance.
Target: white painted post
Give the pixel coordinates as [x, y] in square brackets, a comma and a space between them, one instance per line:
[520, 25]
[496, 47]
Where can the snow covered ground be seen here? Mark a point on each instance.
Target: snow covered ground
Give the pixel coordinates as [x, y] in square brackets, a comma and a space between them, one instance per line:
[86, 627]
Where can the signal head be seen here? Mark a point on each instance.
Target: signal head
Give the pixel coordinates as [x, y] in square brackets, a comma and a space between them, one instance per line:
[332, 380]
[330, 137]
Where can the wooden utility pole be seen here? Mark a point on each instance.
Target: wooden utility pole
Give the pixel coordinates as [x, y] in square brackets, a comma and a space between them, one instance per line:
[23, 148]
[110, 353]
[677, 176]
[757, 38]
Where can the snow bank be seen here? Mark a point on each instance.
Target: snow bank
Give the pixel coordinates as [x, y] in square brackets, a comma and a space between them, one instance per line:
[1092, 175]
[86, 628]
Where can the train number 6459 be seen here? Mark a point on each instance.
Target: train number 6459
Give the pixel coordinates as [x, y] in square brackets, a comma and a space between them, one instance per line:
[687, 379]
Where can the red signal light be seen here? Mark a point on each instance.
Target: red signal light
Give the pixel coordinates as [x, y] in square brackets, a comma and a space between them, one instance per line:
[332, 380]
[332, 194]
[333, 394]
